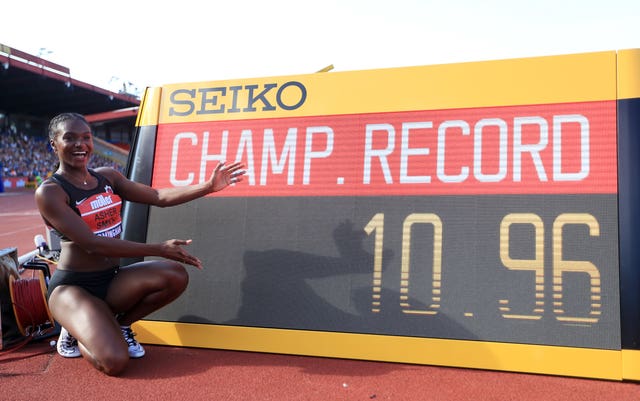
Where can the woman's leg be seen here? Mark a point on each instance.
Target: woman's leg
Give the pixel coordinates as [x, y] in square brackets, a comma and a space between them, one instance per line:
[142, 288]
[92, 323]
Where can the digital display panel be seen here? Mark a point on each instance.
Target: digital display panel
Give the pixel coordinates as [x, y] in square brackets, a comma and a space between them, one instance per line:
[488, 208]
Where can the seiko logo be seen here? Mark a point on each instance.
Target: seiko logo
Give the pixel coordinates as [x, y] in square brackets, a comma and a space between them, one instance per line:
[101, 201]
[237, 99]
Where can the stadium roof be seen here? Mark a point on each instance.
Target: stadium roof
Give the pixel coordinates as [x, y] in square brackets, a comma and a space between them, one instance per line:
[34, 86]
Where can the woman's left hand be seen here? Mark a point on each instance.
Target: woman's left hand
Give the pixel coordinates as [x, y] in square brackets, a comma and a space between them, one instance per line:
[224, 175]
[173, 249]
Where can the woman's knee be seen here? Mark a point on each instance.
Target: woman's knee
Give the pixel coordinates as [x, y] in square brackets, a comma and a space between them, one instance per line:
[177, 276]
[111, 363]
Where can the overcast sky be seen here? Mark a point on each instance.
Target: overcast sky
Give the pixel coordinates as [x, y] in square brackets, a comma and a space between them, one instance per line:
[150, 43]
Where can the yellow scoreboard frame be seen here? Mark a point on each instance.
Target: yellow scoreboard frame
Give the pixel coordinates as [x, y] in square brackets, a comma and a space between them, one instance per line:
[404, 121]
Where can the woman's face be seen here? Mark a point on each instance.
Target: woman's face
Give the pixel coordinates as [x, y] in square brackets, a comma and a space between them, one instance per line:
[73, 143]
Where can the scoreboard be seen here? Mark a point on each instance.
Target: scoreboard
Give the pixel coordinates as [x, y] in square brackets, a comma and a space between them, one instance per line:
[477, 214]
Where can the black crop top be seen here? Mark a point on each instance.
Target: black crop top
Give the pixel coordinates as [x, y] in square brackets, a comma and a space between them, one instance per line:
[99, 207]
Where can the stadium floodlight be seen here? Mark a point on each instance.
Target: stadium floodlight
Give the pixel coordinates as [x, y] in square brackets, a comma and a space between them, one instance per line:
[43, 51]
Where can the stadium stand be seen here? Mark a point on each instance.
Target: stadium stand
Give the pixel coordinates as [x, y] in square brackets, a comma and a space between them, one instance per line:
[27, 160]
[32, 91]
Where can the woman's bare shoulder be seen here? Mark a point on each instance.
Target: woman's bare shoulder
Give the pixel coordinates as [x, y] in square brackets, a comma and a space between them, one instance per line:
[110, 173]
[47, 187]
[48, 193]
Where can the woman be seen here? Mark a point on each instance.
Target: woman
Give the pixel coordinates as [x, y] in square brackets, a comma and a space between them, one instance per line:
[90, 295]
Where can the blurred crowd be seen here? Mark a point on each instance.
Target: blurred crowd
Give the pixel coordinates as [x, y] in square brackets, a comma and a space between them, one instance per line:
[32, 157]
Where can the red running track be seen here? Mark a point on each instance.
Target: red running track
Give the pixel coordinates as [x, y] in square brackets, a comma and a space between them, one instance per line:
[36, 372]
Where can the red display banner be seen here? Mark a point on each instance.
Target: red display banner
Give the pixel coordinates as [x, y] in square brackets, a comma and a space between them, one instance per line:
[567, 148]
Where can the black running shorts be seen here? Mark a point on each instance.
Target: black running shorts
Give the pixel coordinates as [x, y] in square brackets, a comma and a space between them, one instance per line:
[96, 283]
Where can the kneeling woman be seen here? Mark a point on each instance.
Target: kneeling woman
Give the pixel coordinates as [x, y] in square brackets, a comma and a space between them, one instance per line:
[93, 298]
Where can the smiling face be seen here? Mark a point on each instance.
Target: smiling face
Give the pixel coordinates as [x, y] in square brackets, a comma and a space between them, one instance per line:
[73, 142]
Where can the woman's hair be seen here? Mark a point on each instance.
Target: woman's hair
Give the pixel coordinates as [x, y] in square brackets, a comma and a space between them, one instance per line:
[61, 118]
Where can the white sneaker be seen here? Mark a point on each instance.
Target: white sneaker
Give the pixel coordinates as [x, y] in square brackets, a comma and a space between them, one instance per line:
[67, 345]
[135, 349]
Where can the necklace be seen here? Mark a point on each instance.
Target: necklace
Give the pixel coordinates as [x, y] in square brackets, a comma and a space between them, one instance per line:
[84, 180]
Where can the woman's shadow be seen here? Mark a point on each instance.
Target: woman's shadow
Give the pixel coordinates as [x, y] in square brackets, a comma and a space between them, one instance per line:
[277, 290]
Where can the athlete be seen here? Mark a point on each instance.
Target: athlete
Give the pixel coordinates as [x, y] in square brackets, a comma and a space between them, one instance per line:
[90, 295]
